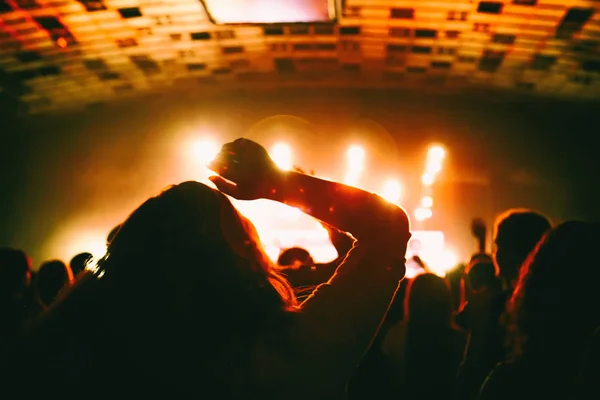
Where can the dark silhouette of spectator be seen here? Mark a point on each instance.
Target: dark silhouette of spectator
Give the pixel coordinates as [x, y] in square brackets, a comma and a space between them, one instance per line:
[186, 281]
[79, 262]
[480, 280]
[482, 275]
[52, 277]
[588, 384]
[516, 233]
[554, 319]
[295, 258]
[111, 235]
[426, 348]
[15, 300]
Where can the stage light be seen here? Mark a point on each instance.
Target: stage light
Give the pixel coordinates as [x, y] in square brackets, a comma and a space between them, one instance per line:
[427, 202]
[356, 158]
[421, 214]
[205, 151]
[428, 179]
[433, 167]
[436, 153]
[281, 153]
[392, 191]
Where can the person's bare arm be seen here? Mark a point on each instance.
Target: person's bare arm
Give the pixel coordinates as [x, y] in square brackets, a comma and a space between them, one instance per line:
[337, 323]
[334, 327]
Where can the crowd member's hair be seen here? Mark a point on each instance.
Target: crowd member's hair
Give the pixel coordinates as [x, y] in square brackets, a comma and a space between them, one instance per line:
[15, 271]
[80, 262]
[552, 313]
[51, 279]
[516, 232]
[189, 242]
[289, 256]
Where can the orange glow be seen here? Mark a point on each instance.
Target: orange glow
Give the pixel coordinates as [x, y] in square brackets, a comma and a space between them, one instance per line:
[392, 191]
[433, 167]
[205, 151]
[69, 243]
[436, 153]
[355, 165]
[427, 202]
[282, 155]
[356, 158]
[62, 42]
[421, 214]
[432, 250]
[428, 179]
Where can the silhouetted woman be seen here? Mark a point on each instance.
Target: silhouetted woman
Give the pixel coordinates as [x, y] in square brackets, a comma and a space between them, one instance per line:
[426, 348]
[188, 304]
[555, 309]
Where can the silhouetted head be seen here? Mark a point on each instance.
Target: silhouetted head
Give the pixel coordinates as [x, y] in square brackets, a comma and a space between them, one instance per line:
[111, 235]
[516, 233]
[52, 277]
[556, 301]
[482, 273]
[15, 272]
[79, 262]
[187, 255]
[294, 258]
[428, 301]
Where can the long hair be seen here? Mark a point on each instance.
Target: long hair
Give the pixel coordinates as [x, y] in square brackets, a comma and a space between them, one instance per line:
[556, 303]
[191, 243]
[184, 282]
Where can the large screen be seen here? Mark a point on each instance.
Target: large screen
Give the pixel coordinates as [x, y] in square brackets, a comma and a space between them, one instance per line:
[270, 11]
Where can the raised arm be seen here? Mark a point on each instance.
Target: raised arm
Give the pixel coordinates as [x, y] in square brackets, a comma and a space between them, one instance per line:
[335, 326]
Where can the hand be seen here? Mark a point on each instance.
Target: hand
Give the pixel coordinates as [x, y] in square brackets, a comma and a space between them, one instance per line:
[478, 228]
[246, 171]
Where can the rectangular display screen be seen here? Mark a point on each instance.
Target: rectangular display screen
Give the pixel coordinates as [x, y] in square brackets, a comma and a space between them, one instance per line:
[270, 11]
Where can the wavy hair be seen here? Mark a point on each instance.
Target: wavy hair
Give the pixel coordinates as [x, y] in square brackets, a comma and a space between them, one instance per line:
[556, 302]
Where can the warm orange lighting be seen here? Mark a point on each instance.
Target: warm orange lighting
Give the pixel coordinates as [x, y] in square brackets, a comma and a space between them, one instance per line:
[356, 158]
[62, 42]
[427, 202]
[421, 214]
[205, 151]
[392, 191]
[433, 166]
[428, 179]
[282, 155]
[436, 153]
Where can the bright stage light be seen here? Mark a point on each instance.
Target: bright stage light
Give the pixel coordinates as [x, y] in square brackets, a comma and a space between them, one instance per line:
[433, 167]
[281, 153]
[356, 158]
[436, 153]
[356, 161]
[392, 191]
[421, 214]
[428, 179]
[427, 202]
[205, 151]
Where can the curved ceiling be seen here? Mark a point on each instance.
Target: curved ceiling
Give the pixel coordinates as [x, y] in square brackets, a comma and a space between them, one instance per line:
[59, 54]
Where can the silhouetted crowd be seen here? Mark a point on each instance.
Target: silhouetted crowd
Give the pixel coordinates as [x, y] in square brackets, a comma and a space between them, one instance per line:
[186, 304]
